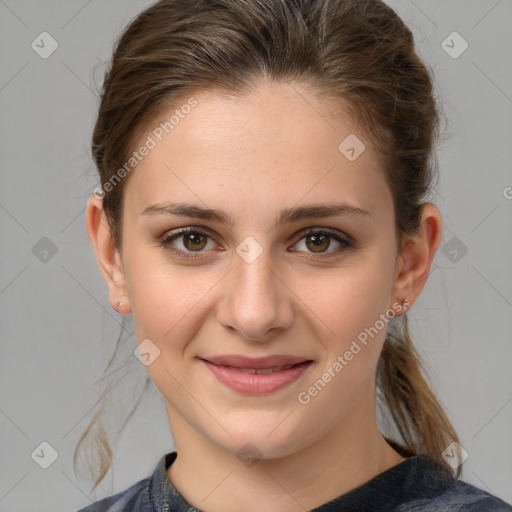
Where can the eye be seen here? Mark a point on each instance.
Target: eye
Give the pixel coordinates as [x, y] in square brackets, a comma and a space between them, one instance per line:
[193, 240]
[319, 240]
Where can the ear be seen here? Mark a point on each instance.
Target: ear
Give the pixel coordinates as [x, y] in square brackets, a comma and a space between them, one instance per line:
[108, 257]
[415, 256]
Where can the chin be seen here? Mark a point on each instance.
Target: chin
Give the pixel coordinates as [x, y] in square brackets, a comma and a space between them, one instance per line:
[256, 439]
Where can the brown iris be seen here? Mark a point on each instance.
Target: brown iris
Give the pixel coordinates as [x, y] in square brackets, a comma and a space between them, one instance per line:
[319, 242]
[191, 241]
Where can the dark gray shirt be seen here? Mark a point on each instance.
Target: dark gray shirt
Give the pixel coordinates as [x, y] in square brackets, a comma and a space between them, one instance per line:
[415, 484]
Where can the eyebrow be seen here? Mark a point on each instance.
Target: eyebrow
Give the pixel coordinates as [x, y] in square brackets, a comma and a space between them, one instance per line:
[287, 215]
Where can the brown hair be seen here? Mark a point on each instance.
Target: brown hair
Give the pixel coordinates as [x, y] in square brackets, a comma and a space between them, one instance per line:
[359, 52]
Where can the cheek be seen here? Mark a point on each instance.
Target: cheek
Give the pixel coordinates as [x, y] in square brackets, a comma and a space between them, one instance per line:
[166, 298]
[154, 294]
[352, 306]
[353, 298]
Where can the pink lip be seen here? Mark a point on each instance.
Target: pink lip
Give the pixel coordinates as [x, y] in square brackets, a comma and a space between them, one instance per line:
[254, 362]
[229, 371]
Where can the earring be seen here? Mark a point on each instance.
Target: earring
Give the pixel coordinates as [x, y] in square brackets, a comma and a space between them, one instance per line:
[405, 304]
[119, 304]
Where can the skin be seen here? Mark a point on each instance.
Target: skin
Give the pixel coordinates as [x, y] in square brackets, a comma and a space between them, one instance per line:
[281, 303]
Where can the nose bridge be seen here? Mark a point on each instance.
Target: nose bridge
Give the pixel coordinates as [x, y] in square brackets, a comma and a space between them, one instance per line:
[253, 287]
[254, 302]
[252, 274]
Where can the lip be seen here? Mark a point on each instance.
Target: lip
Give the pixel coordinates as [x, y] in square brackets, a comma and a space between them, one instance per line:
[234, 371]
[240, 361]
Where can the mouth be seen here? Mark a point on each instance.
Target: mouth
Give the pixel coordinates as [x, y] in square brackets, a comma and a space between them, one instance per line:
[257, 376]
[259, 371]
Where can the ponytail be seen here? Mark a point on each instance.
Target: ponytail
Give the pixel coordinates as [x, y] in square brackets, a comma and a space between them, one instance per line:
[418, 415]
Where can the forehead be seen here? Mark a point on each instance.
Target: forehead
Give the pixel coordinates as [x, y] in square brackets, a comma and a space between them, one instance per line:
[277, 143]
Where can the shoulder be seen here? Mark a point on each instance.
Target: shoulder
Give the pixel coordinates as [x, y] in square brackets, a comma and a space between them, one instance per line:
[460, 497]
[124, 501]
[139, 496]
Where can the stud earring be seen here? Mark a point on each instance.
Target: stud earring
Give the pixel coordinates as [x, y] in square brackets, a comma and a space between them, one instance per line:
[119, 304]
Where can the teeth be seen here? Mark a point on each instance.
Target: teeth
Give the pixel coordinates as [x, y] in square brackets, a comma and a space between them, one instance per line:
[260, 371]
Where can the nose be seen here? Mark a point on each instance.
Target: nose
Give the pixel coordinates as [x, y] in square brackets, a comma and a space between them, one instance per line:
[256, 303]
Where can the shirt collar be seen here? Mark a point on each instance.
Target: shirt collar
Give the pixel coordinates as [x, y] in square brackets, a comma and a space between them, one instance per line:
[414, 478]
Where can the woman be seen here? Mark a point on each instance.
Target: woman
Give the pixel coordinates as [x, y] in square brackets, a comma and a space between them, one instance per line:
[262, 216]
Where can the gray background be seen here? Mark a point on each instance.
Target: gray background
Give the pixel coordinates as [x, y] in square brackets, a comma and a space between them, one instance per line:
[58, 330]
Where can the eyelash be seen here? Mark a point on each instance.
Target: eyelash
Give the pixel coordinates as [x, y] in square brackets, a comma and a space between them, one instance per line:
[166, 240]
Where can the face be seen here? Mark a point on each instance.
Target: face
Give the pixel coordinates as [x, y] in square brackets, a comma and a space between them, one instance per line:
[262, 283]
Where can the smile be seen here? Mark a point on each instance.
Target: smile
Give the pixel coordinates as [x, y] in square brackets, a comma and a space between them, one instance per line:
[259, 376]
[259, 371]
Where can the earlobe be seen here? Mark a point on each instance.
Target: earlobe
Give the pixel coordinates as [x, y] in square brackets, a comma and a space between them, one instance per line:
[107, 255]
[416, 256]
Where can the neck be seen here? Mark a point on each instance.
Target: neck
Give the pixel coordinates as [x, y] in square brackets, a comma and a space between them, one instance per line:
[211, 478]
